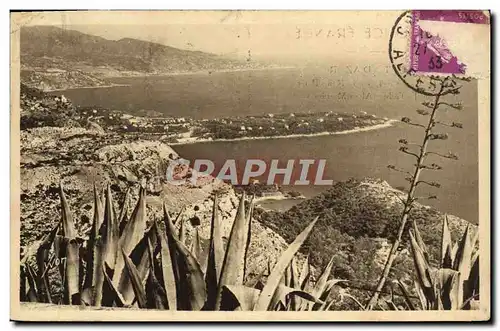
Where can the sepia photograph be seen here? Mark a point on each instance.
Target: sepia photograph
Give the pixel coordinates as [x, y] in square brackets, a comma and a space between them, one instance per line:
[250, 165]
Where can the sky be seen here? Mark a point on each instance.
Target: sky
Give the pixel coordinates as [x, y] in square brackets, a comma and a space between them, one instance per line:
[353, 36]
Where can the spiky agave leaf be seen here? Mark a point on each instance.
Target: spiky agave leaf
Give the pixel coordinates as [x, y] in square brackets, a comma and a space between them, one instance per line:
[131, 236]
[60, 244]
[356, 301]
[32, 293]
[193, 282]
[168, 269]
[286, 280]
[68, 225]
[238, 297]
[320, 285]
[42, 259]
[438, 303]
[284, 292]
[93, 268]
[141, 259]
[109, 232]
[133, 274]
[123, 217]
[233, 267]
[420, 241]
[325, 293]
[406, 295]
[293, 301]
[446, 283]
[305, 273]
[196, 246]
[424, 302]
[72, 286]
[22, 285]
[390, 302]
[97, 289]
[422, 269]
[249, 215]
[391, 305]
[328, 305]
[446, 245]
[471, 287]
[115, 296]
[156, 297]
[462, 261]
[215, 257]
[266, 296]
[294, 274]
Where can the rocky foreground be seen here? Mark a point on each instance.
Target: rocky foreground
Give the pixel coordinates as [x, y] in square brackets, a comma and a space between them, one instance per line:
[80, 158]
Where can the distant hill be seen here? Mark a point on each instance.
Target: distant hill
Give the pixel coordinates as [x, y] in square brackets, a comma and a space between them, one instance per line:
[48, 52]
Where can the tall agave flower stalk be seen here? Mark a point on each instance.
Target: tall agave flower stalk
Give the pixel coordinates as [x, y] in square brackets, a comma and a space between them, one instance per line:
[125, 264]
[445, 84]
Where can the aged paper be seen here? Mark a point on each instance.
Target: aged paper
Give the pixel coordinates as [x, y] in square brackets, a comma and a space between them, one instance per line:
[250, 166]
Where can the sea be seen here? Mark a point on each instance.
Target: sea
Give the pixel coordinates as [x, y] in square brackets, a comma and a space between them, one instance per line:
[342, 88]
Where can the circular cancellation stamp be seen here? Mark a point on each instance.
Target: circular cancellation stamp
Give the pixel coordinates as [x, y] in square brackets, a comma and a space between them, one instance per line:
[420, 58]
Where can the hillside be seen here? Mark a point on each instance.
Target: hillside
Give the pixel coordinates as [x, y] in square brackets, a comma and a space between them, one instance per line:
[357, 221]
[357, 218]
[59, 146]
[55, 58]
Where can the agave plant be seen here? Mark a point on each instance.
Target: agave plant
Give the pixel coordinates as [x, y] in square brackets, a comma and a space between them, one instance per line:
[454, 284]
[125, 263]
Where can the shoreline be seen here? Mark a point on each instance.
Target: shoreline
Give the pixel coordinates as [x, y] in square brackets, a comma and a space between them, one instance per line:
[166, 74]
[199, 72]
[388, 124]
[86, 87]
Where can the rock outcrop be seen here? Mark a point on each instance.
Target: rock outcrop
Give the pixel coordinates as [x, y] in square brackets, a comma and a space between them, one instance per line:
[80, 158]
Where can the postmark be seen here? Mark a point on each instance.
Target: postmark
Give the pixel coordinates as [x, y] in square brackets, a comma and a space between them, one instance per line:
[422, 58]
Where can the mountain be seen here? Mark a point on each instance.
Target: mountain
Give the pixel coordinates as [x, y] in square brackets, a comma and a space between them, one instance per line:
[48, 52]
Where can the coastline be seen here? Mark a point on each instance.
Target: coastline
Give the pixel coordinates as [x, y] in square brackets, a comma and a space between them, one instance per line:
[166, 74]
[387, 124]
[199, 72]
[86, 87]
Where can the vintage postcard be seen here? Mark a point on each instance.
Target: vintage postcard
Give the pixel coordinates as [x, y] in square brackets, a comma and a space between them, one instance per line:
[250, 165]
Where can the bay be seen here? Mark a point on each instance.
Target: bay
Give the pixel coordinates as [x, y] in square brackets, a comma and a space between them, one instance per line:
[343, 90]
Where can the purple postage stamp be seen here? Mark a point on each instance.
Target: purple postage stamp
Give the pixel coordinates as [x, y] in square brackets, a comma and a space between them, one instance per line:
[430, 53]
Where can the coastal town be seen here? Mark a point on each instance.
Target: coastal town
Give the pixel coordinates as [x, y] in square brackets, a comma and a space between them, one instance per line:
[183, 130]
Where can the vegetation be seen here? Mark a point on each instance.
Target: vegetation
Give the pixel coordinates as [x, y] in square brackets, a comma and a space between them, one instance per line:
[125, 264]
[420, 152]
[40, 109]
[454, 283]
[282, 125]
[348, 222]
